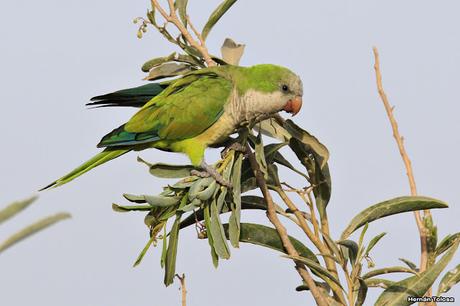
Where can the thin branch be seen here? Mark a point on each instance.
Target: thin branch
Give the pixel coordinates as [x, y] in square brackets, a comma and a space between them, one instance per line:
[272, 216]
[406, 160]
[183, 288]
[172, 18]
[197, 34]
[330, 264]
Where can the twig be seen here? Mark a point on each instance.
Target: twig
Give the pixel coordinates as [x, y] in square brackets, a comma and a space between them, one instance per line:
[183, 288]
[172, 18]
[272, 216]
[406, 160]
[330, 264]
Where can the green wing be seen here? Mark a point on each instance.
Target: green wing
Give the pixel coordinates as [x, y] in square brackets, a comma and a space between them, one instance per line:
[183, 110]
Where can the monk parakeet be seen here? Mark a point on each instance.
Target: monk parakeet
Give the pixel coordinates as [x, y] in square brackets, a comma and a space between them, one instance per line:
[198, 110]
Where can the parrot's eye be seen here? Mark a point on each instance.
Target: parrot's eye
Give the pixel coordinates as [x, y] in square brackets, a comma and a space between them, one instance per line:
[285, 88]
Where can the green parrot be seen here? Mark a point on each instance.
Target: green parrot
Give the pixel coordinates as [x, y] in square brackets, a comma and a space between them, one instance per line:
[189, 114]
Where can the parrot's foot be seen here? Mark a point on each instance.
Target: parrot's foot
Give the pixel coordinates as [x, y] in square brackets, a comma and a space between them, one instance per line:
[236, 146]
[211, 171]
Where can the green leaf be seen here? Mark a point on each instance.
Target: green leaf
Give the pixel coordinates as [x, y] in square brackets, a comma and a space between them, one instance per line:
[260, 156]
[320, 150]
[144, 251]
[32, 229]
[446, 243]
[164, 248]
[391, 207]
[362, 292]
[121, 208]
[409, 263]
[207, 192]
[449, 280]
[181, 6]
[234, 220]
[215, 16]
[270, 127]
[379, 282]
[373, 242]
[387, 271]
[319, 177]
[247, 202]
[15, 208]
[167, 70]
[207, 223]
[157, 61]
[268, 237]
[318, 269]
[171, 253]
[160, 201]
[168, 171]
[199, 186]
[417, 285]
[218, 234]
[151, 16]
[232, 52]
[333, 247]
[352, 249]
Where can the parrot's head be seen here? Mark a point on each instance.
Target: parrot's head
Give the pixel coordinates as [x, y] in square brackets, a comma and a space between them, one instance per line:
[272, 89]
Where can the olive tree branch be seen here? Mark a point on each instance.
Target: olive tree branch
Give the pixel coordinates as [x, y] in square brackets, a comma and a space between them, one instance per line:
[173, 18]
[272, 216]
[183, 288]
[405, 158]
[315, 239]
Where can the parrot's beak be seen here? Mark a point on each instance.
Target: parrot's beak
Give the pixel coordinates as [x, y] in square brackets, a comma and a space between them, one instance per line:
[293, 106]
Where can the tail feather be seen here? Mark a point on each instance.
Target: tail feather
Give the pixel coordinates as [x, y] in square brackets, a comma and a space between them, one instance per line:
[97, 160]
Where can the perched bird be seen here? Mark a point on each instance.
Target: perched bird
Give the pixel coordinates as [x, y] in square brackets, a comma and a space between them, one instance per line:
[198, 110]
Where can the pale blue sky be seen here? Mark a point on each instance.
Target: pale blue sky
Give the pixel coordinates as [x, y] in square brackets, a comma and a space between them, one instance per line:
[55, 55]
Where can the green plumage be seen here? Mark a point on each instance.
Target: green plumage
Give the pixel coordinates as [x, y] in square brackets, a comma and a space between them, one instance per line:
[186, 114]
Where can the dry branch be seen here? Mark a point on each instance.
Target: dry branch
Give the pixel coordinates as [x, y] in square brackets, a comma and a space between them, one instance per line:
[272, 216]
[407, 163]
[174, 19]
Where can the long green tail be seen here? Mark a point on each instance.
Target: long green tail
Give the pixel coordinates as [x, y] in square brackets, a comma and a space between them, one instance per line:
[99, 159]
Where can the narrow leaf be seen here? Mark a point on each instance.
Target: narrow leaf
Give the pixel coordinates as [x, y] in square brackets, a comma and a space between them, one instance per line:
[181, 6]
[207, 223]
[171, 253]
[311, 141]
[373, 242]
[32, 229]
[379, 282]
[218, 234]
[144, 251]
[409, 263]
[234, 220]
[449, 280]
[320, 271]
[387, 271]
[268, 237]
[168, 171]
[215, 16]
[157, 61]
[352, 249]
[121, 208]
[362, 292]
[167, 70]
[15, 208]
[398, 293]
[391, 207]
[446, 243]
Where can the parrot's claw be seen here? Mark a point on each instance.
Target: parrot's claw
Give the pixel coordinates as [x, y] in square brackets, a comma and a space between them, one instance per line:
[199, 173]
[211, 171]
[236, 146]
